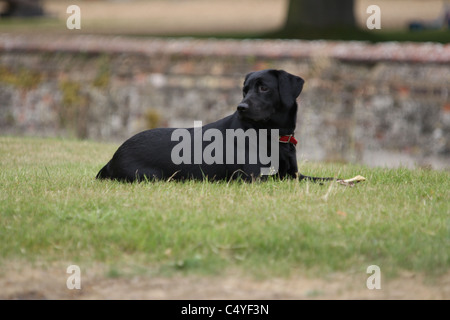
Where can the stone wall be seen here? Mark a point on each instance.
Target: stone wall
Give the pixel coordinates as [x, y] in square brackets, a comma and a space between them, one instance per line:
[379, 104]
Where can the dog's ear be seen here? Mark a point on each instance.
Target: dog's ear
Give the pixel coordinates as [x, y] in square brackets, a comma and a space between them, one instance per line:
[289, 87]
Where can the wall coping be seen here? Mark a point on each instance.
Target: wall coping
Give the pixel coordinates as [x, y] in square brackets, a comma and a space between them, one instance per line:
[357, 51]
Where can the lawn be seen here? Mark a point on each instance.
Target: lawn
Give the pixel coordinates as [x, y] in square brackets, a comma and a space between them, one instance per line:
[226, 19]
[52, 209]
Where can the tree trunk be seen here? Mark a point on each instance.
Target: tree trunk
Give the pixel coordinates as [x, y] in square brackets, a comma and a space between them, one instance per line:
[320, 14]
[22, 8]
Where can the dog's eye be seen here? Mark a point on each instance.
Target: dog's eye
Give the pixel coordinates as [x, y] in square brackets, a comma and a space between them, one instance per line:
[263, 89]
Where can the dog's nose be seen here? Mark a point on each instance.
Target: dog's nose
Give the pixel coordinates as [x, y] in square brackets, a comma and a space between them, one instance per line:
[242, 107]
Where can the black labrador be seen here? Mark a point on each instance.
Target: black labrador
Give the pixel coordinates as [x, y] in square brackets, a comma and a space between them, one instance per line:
[226, 149]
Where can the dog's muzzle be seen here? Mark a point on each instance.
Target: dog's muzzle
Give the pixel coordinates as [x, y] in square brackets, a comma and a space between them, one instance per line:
[242, 107]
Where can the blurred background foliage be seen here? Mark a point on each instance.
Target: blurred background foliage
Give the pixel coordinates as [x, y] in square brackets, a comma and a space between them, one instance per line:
[401, 20]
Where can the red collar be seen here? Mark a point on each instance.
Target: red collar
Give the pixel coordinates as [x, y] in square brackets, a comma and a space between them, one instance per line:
[289, 139]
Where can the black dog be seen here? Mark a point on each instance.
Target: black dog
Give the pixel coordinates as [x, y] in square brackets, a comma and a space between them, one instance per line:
[269, 103]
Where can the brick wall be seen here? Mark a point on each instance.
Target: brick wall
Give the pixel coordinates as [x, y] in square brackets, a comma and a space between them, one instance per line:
[378, 104]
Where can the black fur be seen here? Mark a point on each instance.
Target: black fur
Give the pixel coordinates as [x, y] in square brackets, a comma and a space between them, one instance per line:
[269, 102]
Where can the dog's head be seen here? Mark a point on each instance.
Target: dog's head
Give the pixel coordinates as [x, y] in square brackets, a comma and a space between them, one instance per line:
[268, 95]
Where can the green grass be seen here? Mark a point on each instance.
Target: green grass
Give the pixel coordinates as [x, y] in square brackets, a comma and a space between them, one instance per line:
[55, 26]
[52, 209]
[356, 34]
